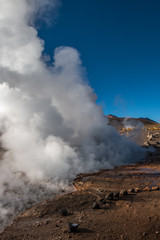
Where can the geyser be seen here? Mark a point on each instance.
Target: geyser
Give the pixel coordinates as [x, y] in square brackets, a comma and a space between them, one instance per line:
[51, 128]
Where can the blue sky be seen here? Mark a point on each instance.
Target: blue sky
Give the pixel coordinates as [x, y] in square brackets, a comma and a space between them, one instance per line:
[119, 43]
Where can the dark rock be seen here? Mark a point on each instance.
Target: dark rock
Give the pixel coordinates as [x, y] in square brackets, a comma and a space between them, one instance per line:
[73, 227]
[123, 193]
[83, 203]
[104, 202]
[116, 195]
[95, 206]
[106, 206]
[101, 200]
[109, 196]
[155, 188]
[137, 190]
[63, 212]
[131, 190]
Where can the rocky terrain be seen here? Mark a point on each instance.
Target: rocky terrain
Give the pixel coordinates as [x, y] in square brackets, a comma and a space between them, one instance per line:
[122, 203]
[143, 131]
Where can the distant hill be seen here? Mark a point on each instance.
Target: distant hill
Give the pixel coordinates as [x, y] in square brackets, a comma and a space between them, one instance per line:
[122, 121]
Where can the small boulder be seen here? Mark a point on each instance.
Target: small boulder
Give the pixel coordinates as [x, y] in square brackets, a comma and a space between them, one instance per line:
[109, 196]
[147, 189]
[104, 201]
[152, 143]
[145, 144]
[155, 188]
[95, 205]
[106, 206]
[144, 234]
[131, 190]
[101, 200]
[73, 227]
[116, 195]
[65, 230]
[63, 212]
[123, 192]
[137, 190]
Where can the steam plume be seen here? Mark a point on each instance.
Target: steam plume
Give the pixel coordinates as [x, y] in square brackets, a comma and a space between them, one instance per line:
[51, 128]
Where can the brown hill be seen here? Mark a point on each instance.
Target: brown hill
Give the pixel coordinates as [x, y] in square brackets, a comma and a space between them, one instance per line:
[120, 121]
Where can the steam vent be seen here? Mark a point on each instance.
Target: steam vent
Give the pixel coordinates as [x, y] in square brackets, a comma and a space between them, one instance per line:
[68, 168]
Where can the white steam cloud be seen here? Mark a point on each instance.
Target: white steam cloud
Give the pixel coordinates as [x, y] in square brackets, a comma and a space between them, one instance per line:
[51, 128]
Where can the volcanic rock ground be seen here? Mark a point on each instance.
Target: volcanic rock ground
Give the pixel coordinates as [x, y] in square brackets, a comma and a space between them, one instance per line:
[134, 216]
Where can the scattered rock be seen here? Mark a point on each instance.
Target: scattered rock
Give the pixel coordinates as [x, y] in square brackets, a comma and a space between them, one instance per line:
[106, 206]
[116, 195]
[137, 190]
[131, 190]
[155, 188]
[145, 144]
[46, 222]
[144, 234]
[123, 193]
[101, 200]
[150, 219]
[147, 189]
[122, 237]
[83, 203]
[73, 227]
[37, 224]
[63, 212]
[104, 202]
[100, 190]
[152, 143]
[109, 196]
[65, 230]
[95, 206]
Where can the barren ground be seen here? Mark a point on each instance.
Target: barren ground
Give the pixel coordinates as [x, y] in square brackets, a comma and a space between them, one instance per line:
[134, 216]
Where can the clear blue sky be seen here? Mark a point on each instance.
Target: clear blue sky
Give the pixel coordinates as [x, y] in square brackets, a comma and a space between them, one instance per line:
[119, 43]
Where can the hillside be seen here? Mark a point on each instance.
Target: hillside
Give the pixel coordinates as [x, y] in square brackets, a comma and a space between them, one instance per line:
[120, 122]
[143, 131]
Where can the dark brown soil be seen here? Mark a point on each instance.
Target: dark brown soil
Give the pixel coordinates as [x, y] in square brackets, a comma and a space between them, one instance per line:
[134, 216]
